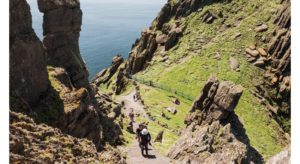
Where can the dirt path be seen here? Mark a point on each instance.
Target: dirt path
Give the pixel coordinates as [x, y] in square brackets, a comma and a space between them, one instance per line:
[134, 155]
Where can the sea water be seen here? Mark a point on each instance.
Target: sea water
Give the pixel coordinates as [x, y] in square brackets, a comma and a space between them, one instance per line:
[109, 27]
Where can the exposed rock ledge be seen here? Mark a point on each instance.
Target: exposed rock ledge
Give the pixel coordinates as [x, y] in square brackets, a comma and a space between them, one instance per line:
[210, 137]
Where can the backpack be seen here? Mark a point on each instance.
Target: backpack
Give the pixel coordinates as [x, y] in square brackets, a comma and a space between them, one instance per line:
[145, 138]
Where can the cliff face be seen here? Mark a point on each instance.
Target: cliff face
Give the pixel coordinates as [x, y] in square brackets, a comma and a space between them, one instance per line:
[28, 74]
[80, 113]
[62, 24]
[68, 101]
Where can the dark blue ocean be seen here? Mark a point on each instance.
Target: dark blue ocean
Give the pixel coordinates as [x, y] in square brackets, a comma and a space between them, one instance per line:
[109, 27]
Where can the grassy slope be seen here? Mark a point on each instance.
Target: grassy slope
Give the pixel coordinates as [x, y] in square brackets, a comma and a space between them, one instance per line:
[157, 101]
[191, 63]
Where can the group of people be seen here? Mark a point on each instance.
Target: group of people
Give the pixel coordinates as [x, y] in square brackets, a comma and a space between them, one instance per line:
[142, 134]
[144, 138]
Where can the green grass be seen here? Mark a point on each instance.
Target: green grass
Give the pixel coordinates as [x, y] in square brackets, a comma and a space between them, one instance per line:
[169, 137]
[50, 106]
[157, 101]
[191, 64]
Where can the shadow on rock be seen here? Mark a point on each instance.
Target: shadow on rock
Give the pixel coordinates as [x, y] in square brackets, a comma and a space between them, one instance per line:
[238, 130]
[150, 156]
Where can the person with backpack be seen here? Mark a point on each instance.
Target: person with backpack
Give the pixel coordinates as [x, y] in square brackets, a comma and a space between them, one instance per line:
[145, 139]
[138, 132]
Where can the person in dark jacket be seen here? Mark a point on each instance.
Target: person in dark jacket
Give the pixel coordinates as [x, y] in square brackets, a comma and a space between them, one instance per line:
[145, 139]
[138, 132]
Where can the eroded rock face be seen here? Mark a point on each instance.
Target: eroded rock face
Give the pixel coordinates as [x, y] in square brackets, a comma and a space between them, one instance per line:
[162, 35]
[280, 71]
[62, 24]
[180, 9]
[114, 74]
[209, 144]
[81, 114]
[49, 145]
[28, 74]
[70, 103]
[142, 51]
[208, 137]
[105, 75]
[216, 102]
[275, 92]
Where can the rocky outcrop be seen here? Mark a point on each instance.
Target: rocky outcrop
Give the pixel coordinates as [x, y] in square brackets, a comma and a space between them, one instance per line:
[163, 35]
[38, 143]
[275, 92]
[46, 144]
[280, 71]
[209, 144]
[105, 75]
[216, 102]
[178, 9]
[142, 51]
[70, 103]
[62, 24]
[114, 74]
[79, 113]
[209, 18]
[28, 74]
[209, 136]
[152, 43]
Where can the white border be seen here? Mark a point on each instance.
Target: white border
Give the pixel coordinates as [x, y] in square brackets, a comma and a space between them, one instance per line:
[295, 81]
[4, 81]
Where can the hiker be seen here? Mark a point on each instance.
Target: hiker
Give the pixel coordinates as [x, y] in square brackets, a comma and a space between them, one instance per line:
[145, 139]
[130, 127]
[131, 115]
[134, 97]
[138, 132]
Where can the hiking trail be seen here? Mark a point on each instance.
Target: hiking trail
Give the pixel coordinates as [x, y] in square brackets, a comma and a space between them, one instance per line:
[134, 155]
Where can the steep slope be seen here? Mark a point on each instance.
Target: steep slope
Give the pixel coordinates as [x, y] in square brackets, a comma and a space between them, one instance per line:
[246, 42]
